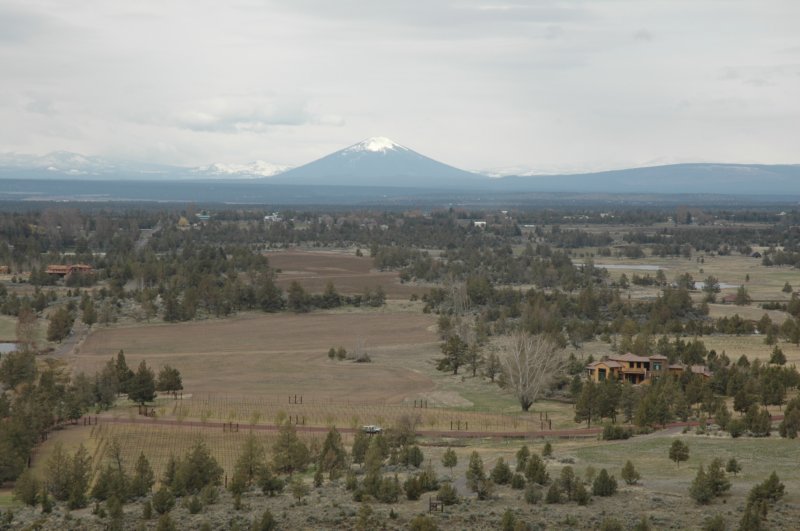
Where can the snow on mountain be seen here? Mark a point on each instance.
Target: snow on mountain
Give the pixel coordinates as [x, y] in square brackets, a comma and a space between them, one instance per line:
[57, 161]
[257, 168]
[375, 144]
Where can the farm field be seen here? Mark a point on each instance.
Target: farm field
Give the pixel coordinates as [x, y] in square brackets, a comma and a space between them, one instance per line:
[280, 354]
[765, 282]
[350, 274]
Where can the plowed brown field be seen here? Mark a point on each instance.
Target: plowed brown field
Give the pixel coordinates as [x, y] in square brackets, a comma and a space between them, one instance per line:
[280, 354]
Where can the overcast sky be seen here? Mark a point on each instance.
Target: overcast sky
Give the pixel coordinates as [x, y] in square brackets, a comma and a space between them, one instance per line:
[540, 84]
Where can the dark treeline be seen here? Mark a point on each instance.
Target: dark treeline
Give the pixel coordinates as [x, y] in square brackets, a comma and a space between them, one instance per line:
[39, 397]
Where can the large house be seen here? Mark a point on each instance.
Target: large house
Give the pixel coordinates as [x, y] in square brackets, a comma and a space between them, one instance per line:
[64, 270]
[639, 369]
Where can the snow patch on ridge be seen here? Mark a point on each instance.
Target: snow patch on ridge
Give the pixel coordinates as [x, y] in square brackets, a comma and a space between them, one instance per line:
[258, 168]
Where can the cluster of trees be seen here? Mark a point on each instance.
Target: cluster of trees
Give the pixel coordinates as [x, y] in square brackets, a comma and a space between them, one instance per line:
[38, 398]
[752, 385]
[532, 477]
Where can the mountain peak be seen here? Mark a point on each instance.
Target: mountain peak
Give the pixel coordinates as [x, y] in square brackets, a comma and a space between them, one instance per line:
[375, 144]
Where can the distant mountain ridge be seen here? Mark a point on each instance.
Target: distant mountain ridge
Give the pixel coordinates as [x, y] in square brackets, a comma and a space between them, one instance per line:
[379, 162]
[705, 178]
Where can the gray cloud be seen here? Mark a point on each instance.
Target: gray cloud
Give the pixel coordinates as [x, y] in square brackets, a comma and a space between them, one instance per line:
[20, 25]
[477, 83]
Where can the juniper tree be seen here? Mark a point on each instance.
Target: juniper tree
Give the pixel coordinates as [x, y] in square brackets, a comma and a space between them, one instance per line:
[522, 458]
[630, 474]
[333, 457]
[678, 451]
[449, 459]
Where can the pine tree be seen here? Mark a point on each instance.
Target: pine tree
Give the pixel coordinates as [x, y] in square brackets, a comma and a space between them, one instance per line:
[58, 473]
[475, 473]
[701, 490]
[535, 471]
[604, 484]
[142, 386]
[360, 445]
[251, 460]
[79, 478]
[290, 454]
[522, 458]
[630, 474]
[733, 466]
[678, 451]
[449, 459]
[143, 477]
[501, 473]
[333, 457]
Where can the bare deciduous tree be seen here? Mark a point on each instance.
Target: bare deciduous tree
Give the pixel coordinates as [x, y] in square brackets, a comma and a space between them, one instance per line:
[529, 364]
[27, 324]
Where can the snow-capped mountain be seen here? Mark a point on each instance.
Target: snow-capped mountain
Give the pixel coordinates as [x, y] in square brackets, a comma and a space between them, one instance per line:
[65, 162]
[68, 165]
[379, 161]
[257, 168]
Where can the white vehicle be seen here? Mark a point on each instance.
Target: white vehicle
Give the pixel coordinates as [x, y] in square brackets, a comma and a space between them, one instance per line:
[371, 429]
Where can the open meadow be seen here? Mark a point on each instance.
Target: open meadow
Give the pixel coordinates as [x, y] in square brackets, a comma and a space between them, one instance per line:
[350, 274]
[279, 354]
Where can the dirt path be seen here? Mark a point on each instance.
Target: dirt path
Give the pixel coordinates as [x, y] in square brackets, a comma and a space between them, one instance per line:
[76, 338]
[574, 433]
[674, 427]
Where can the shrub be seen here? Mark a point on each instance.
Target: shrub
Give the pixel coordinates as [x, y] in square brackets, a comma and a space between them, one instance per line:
[195, 505]
[423, 523]
[642, 525]
[611, 524]
[447, 494]
[412, 488]
[736, 428]
[553, 494]
[547, 451]
[518, 481]
[535, 470]
[630, 474]
[604, 484]
[522, 458]
[508, 522]
[266, 523]
[582, 495]
[770, 490]
[700, 489]
[209, 495]
[501, 473]
[350, 482]
[163, 501]
[165, 523]
[26, 488]
[147, 510]
[612, 432]
[714, 523]
[533, 493]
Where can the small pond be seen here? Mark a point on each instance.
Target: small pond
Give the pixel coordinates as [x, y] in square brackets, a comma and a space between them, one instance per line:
[7, 347]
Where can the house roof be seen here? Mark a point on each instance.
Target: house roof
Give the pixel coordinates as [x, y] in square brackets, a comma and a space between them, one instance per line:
[608, 363]
[657, 357]
[629, 357]
[700, 369]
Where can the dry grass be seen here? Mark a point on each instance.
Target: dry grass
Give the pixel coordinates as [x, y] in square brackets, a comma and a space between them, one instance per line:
[280, 354]
[350, 274]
